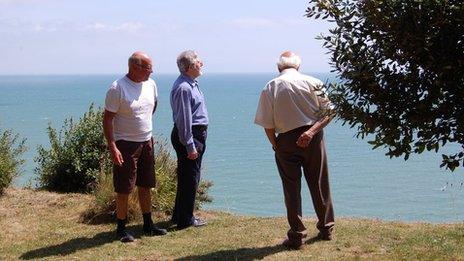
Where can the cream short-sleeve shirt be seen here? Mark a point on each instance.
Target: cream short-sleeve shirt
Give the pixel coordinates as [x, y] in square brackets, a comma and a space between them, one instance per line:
[290, 101]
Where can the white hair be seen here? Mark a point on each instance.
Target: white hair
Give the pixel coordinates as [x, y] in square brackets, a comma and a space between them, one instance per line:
[185, 60]
[292, 61]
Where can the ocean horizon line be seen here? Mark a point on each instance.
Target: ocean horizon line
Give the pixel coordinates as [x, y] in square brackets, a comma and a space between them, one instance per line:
[155, 73]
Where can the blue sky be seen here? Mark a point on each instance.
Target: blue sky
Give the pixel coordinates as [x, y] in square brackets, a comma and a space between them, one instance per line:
[81, 37]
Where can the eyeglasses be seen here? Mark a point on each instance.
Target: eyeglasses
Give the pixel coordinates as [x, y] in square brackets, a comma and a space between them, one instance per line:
[147, 68]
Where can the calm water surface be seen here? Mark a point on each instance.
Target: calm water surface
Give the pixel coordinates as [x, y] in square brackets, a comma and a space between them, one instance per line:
[239, 159]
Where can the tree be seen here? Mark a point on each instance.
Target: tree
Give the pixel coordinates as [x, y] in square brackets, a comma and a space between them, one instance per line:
[401, 70]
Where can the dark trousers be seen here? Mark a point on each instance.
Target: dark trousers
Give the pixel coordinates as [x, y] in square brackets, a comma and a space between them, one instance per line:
[290, 160]
[188, 175]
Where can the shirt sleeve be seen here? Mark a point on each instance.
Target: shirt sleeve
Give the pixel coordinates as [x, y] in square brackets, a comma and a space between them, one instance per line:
[183, 120]
[325, 105]
[265, 112]
[112, 101]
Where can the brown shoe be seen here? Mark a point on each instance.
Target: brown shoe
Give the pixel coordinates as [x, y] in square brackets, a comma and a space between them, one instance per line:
[324, 236]
[291, 244]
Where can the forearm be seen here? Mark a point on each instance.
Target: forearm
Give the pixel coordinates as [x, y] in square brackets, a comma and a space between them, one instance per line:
[108, 129]
[270, 133]
[319, 125]
[154, 107]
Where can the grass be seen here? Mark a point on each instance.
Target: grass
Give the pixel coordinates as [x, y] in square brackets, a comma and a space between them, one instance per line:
[44, 225]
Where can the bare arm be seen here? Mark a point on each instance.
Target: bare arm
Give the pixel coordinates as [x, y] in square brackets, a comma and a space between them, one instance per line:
[154, 108]
[306, 137]
[108, 132]
[270, 133]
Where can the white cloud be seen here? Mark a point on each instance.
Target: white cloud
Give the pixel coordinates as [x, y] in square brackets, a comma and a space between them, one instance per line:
[253, 22]
[21, 26]
[95, 26]
[130, 27]
[38, 28]
[259, 22]
[10, 23]
[42, 28]
[22, 1]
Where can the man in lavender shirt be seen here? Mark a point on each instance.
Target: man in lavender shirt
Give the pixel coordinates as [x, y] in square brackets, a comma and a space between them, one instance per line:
[188, 137]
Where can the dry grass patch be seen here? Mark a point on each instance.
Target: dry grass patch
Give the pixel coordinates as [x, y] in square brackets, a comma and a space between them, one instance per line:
[44, 225]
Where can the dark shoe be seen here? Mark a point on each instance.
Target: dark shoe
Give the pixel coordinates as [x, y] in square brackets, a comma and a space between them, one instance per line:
[291, 244]
[173, 221]
[324, 236]
[125, 237]
[197, 222]
[154, 231]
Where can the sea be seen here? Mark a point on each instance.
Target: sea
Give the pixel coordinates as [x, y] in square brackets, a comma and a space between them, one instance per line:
[239, 160]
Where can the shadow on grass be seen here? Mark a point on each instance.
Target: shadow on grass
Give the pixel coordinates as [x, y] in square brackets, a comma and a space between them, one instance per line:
[76, 244]
[245, 253]
[238, 254]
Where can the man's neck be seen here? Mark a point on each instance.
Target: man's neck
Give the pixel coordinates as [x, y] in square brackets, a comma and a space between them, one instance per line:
[131, 77]
[190, 75]
[289, 69]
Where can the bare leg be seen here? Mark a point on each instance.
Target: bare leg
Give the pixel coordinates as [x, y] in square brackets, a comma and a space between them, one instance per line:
[144, 199]
[121, 205]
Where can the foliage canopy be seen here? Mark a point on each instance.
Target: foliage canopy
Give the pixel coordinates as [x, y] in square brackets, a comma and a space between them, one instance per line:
[401, 65]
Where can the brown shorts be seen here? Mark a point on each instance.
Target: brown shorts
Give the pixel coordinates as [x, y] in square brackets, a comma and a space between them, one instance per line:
[138, 168]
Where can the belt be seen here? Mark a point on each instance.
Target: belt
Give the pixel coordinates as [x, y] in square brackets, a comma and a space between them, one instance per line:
[196, 127]
[200, 127]
[298, 130]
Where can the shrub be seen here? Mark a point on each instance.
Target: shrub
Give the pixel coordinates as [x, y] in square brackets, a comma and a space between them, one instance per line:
[76, 156]
[78, 161]
[11, 148]
[163, 196]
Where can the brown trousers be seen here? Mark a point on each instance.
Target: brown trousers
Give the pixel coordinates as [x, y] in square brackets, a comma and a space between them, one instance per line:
[290, 159]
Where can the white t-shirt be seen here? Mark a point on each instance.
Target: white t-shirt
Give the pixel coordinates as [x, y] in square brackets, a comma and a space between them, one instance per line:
[290, 101]
[133, 104]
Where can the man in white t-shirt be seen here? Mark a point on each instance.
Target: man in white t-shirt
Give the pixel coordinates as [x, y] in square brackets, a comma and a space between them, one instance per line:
[129, 106]
[295, 106]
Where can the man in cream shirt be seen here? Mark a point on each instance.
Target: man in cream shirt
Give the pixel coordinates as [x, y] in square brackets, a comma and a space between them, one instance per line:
[295, 107]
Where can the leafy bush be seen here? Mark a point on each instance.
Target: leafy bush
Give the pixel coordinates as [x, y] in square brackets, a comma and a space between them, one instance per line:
[79, 161]
[77, 155]
[11, 148]
[163, 196]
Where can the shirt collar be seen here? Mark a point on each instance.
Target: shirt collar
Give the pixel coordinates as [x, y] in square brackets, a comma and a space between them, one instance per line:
[288, 70]
[132, 82]
[192, 82]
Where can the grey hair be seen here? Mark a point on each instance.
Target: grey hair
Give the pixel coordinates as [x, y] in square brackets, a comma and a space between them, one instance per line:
[292, 61]
[185, 59]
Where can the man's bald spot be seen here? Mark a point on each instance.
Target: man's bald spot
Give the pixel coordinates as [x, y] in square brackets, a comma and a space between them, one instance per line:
[138, 56]
[287, 54]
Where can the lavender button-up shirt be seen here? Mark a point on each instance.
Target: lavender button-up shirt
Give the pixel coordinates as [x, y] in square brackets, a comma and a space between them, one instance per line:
[188, 109]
